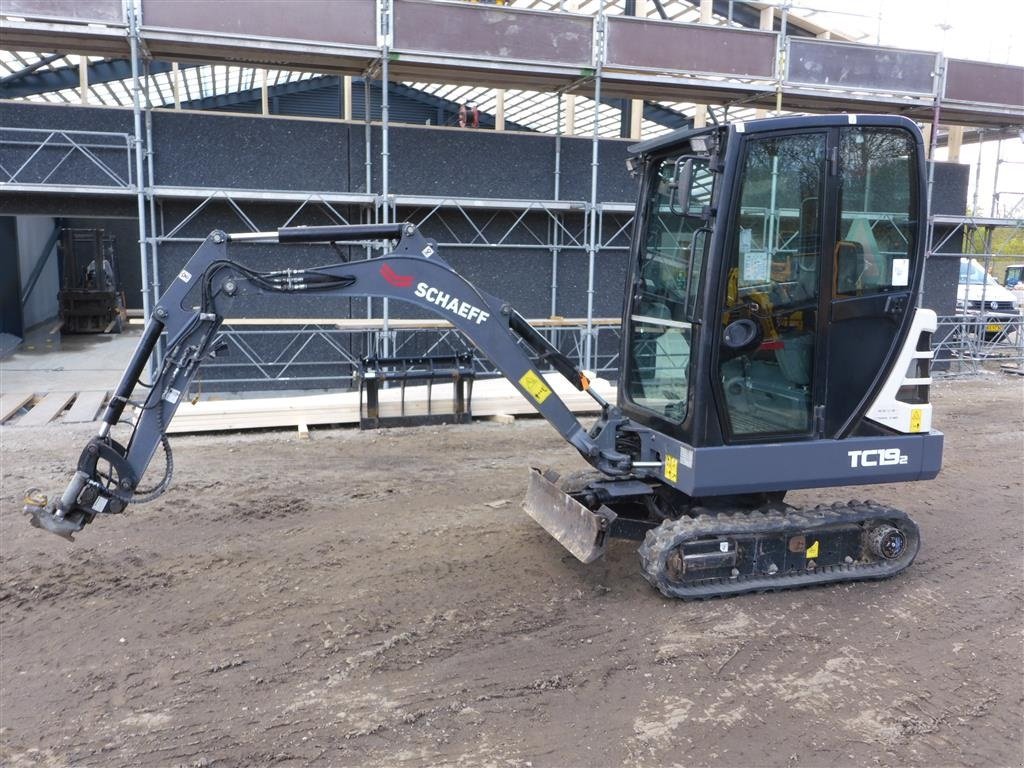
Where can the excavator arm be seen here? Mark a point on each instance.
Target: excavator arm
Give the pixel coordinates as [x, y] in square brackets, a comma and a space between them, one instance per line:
[212, 284]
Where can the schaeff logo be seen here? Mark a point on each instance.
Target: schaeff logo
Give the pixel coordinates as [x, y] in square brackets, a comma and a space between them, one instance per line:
[453, 304]
[877, 457]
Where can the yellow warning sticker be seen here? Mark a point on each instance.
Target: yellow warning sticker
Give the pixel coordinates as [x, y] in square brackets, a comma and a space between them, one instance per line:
[915, 419]
[535, 385]
[812, 551]
[671, 468]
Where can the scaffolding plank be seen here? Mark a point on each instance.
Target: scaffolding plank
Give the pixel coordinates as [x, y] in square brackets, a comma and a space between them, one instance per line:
[850, 65]
[46, 410]
[493, 32]
[667, 46]
[346, 23]
[98, 11]
[11, 403]
[86, 406]
[981, 82]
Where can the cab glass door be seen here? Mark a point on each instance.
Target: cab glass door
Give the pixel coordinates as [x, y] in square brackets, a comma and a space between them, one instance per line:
[874, 264]
[768, 348]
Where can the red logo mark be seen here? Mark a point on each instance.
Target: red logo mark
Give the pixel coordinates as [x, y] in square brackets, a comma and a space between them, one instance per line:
[400, 281]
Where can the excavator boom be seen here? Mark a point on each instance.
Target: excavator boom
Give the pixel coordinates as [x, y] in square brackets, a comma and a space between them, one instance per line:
[204, 292]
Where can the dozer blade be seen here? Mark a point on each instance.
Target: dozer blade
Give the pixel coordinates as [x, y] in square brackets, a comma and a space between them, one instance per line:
[582, 531]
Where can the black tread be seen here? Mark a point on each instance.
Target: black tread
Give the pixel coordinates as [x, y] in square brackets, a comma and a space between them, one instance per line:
[661, 541]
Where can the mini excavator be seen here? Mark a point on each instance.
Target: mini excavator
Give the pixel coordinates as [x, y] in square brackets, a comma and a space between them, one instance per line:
[771, 341]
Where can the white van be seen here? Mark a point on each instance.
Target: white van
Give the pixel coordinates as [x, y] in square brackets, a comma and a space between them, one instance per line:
[981, 294]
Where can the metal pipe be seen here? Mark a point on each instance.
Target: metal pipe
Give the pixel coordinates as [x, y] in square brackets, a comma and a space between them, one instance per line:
[133, 39]
[154, 256]
[994, 208]
[31, 68]
[977, 170]
[556, 238]
[385, 8]
[933, 145]
[588, 346]
[556, 234]
[369, 144]
[558, 147]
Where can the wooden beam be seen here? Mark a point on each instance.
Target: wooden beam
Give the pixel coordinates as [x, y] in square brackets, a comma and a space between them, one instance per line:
[176, 83]
[636, 119]
[264, 93]
[13, 402]
[956, 140]
[86, 406]
[46, 410]
[83, 79]
[347, 97]
[499, 110]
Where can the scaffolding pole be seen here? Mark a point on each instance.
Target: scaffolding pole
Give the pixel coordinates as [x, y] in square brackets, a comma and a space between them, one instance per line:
[133, 39]
[385, 10]
[160, 348]
[933, 140]
[592, 243]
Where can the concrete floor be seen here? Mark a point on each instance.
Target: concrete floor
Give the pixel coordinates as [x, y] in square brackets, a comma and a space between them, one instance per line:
[69, 363]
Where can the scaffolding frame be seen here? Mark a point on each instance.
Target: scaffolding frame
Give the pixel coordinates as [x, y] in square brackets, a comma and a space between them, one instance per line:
[381, 206]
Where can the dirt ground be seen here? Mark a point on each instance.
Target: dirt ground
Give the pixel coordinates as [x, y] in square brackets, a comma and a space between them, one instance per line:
[379, 599]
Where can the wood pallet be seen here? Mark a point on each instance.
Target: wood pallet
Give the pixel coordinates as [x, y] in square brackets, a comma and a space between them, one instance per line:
[49, 407]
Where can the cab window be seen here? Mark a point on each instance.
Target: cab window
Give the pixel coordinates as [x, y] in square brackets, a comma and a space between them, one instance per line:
[666, 286]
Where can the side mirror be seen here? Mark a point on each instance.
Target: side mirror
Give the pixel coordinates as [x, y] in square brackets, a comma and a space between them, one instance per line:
[683, 181]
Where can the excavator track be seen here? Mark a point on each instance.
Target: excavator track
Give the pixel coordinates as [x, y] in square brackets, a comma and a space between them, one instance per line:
[715, 555]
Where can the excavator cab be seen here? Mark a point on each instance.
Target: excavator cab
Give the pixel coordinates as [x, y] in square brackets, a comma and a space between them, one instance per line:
[775, 266]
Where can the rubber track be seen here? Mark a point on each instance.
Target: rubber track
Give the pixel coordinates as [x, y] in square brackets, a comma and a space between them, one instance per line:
[661, 541]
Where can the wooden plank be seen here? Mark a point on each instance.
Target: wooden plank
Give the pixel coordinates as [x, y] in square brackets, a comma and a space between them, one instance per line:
[10, 404]
[46, 410]
[86, 406]
[490, 397]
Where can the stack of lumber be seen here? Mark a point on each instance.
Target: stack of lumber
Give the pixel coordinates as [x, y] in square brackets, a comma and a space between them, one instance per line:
[491, 397]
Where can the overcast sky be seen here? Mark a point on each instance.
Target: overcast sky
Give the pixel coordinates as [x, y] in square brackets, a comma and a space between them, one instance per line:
[989, 30]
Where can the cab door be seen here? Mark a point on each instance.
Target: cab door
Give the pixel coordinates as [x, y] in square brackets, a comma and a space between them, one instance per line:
[819, 272]
[770, 350]
[875, 264]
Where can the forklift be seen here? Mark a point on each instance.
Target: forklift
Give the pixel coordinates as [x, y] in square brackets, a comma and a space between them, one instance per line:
[771, 341]
[90, 297]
